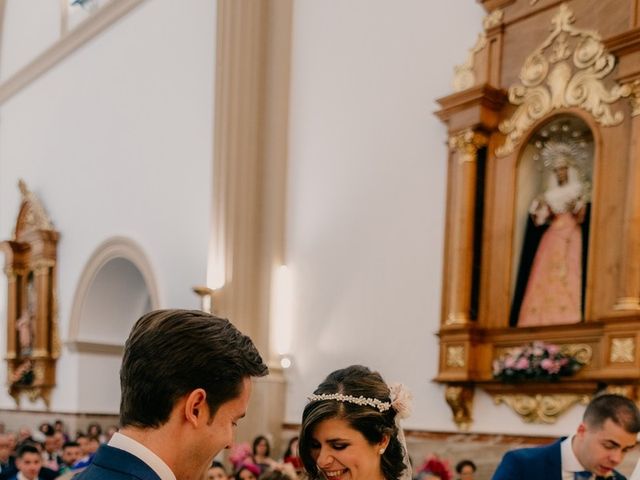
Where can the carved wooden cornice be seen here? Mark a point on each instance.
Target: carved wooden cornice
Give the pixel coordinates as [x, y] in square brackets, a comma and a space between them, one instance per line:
[486, 102]
[624, 43]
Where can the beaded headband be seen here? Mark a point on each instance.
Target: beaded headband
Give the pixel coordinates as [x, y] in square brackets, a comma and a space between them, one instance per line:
[372, 402]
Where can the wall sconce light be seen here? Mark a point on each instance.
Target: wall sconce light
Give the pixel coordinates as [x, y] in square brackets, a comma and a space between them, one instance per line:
[206, 297]
[286, 361]
[281, 316]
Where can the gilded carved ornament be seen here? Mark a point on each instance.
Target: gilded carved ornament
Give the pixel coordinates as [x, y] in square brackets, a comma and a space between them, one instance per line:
[540, 408]
[629, 391]
[623, 350]
[566, 70]
[635, 103]
[36, 217]
[463, 75]
[455, 356]
[580, 351]
[466, 144]
[460, 400]
[533, 2]
[493, 19]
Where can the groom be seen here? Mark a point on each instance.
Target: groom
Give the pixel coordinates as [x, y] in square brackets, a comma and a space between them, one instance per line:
[608, 431]
[186, 382]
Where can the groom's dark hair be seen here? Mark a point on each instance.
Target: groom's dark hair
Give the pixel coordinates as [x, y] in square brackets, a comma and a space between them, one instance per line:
[170, 353]
[620, 410]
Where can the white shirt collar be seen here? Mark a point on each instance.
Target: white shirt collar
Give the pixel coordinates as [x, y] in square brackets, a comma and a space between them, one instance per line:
[570, 463]
[136, 449]
[19, 476]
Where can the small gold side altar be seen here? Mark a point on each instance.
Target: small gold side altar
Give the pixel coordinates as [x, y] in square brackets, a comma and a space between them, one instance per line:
[33, 345]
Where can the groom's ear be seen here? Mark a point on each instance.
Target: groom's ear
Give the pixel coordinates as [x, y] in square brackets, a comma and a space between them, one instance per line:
[194, 406]
[581, 430]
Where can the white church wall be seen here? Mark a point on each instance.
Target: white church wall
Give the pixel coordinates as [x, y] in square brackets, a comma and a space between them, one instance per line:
[28, 29]
[117, 140]
[367, 197]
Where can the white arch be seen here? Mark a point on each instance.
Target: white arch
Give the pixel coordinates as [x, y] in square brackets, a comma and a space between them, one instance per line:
[112, 249]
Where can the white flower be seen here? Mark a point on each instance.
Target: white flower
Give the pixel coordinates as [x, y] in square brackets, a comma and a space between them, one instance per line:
[401, 400]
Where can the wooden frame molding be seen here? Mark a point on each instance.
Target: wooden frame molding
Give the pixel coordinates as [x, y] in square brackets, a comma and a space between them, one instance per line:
[70, 42]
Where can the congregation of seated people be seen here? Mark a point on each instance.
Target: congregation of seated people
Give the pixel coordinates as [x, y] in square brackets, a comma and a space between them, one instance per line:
[48, 453]
[52, 453]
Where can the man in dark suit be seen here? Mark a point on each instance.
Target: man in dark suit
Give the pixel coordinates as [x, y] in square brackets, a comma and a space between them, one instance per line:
[185, 381]
[7, 461]
[608, 431]
[29, 463]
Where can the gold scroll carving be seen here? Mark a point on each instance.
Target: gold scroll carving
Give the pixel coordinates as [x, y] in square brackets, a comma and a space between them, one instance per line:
[540, 408]
[493, 19]
[460, 400]
[550, 80]
[580, 351]
[463, 75]
[467, 143]
[634, 98]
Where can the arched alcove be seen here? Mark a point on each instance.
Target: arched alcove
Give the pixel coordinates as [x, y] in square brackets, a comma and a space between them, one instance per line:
[116, 287]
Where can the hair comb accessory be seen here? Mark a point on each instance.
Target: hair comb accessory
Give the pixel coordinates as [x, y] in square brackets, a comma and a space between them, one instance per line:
[401, 400]
[371, 402]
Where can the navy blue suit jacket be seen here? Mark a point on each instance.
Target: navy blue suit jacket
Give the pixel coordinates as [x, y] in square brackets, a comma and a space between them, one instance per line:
[534, 464]
[111, 463]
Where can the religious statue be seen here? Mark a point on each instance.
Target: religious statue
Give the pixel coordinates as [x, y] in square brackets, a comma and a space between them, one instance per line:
[550, 284]
[25, 324]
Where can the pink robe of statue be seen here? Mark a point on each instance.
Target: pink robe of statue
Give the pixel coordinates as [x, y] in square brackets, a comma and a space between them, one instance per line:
[554, 291]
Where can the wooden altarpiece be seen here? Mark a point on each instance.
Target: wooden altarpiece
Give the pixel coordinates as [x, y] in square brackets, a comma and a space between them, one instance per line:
[32, 336]
[542, 64]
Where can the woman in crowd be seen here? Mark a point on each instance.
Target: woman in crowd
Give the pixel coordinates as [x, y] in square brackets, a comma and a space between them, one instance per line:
[292, 456]
[248, 471]
[216, 472]
[261, 452]
[466, 469]
[350, 428]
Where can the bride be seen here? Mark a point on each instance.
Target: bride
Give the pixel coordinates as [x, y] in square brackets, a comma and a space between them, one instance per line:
[350, 428]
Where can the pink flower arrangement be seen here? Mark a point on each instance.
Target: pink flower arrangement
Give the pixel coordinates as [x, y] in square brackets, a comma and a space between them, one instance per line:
[240, 452]
[535, 361]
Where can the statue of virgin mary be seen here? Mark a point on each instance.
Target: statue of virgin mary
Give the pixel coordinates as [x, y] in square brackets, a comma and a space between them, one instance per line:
[550, 283]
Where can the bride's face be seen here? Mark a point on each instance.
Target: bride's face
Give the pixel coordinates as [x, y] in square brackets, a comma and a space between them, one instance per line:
[343, 453]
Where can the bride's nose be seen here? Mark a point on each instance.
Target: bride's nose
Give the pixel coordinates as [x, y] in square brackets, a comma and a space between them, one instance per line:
[325, 458]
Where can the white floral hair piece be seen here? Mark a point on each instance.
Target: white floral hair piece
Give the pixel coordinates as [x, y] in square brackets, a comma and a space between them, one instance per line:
[401, 400]
[372, 402]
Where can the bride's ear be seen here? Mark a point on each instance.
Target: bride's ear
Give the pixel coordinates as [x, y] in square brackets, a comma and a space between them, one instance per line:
[384, 443]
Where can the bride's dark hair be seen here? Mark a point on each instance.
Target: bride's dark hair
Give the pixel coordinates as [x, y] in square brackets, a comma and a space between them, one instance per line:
[373, 424]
